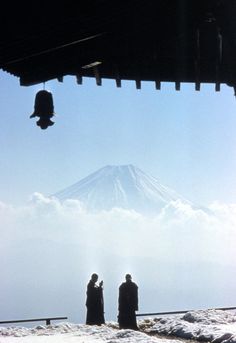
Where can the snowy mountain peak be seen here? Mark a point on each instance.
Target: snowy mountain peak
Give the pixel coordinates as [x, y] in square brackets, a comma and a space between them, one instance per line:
[123, 186]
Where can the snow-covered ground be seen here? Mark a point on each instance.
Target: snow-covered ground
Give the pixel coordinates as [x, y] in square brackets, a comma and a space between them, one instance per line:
[206, 326]
[203, 325]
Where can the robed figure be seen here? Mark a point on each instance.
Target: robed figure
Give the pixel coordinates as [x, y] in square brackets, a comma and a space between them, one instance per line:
[128, 304]
[94, 302]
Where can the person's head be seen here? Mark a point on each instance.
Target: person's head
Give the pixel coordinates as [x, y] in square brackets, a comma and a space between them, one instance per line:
[128, 277]
[94, 277]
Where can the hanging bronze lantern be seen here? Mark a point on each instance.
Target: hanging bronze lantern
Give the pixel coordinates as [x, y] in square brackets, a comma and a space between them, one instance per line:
[44, 109]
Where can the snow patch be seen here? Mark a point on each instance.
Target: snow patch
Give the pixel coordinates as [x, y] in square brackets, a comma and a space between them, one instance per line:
[204, 325]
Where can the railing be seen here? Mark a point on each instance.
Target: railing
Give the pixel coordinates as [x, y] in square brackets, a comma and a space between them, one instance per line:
[179, 312]
[47, 319]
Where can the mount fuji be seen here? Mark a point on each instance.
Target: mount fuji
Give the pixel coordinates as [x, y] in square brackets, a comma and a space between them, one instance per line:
[125, 187]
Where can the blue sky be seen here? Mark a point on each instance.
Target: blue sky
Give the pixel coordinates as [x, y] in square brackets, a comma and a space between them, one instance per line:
[185, 138]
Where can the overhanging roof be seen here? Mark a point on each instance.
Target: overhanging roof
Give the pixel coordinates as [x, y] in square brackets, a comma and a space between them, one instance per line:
[153, 40]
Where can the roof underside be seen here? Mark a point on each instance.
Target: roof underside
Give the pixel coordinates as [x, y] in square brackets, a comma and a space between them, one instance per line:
[153, 40]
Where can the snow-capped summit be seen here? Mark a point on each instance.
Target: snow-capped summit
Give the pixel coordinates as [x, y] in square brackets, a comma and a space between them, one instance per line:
[123, 186]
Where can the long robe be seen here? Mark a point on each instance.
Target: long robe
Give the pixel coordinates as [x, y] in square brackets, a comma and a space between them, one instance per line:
[128, 304]
[94, 304]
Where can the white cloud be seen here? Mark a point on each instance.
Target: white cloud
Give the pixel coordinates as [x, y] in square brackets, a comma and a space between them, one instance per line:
[122, 231]
[52, 248]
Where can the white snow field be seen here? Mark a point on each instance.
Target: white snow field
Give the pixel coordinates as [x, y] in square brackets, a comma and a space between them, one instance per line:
[204, 325]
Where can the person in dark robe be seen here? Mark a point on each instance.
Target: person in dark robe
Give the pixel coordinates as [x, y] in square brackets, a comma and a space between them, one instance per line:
[128, 304]
[94, 302]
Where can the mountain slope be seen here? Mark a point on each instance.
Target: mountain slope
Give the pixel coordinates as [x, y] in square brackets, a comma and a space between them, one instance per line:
[124, 186]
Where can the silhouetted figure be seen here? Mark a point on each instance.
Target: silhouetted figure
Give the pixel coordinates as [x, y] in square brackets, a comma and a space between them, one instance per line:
[94, 302]
[128, 304]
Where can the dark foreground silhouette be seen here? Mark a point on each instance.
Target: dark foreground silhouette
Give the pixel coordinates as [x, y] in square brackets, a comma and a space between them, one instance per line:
[94, 302]
[128, 304]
